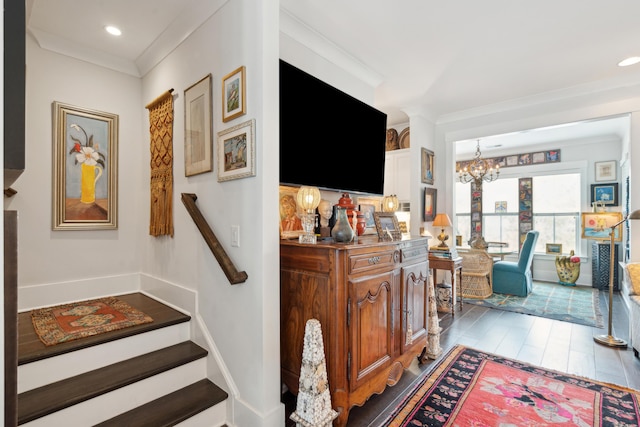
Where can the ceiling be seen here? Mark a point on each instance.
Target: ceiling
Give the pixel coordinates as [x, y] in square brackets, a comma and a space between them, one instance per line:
[445, 57]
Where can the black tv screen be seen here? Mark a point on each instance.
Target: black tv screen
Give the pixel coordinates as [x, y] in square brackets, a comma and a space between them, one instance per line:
[329, 139]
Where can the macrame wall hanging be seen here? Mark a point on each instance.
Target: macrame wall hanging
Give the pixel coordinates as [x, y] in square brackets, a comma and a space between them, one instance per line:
[161, 128]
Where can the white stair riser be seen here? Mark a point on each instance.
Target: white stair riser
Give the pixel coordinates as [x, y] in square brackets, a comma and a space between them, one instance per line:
[212, 417]
[124, 399]
[47, 371]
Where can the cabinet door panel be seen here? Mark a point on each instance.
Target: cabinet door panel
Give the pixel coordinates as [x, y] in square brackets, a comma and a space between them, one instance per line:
[415, 310]
[371, 326]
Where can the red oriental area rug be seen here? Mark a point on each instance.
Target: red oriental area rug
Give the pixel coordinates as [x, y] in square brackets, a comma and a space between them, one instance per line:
[471, 388]
[68, 322]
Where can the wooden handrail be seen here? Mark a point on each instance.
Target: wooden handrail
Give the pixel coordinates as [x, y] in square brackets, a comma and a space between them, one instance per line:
[234, 276]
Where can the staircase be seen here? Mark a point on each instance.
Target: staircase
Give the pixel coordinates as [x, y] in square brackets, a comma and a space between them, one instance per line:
[145, 375]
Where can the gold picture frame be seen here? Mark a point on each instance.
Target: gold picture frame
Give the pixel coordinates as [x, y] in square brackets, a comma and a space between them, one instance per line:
[554, 248]
[597, 225]
[233, 94]
[427, 172]
[198, 128]
[237, 151]
[387, 226]
[85, 169]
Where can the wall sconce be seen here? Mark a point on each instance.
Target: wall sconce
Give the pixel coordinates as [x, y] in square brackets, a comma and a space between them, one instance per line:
[308, 198]
[442, 220]
[390, 203]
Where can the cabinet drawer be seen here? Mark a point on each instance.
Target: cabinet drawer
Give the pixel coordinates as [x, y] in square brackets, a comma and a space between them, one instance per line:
[414, 253]
[359, 263]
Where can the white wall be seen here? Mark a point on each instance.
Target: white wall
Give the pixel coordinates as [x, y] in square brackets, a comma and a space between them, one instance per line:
[243, 319]
[48, 257]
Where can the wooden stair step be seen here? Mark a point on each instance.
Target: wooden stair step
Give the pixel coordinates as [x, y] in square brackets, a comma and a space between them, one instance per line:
[171, 409]
[51, 398]
[31, 349]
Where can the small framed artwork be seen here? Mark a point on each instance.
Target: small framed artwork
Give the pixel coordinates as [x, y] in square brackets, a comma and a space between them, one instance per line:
[430, 195]
[501, 206]
[198, 126]
[290, 222]
[387, 226]
[606, 194]
[427, 172]
[597, 226]
[554, 248]
[606, 171]
[233, 95]
[85, 169]
[236, 152]
[368, 211]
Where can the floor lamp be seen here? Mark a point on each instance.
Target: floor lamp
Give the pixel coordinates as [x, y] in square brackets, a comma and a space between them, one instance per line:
[610, 340]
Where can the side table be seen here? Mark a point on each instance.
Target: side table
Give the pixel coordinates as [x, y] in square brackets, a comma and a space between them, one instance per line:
[453, 265]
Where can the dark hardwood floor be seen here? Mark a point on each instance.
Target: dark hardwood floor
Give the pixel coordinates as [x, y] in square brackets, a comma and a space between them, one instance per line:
[552, 344]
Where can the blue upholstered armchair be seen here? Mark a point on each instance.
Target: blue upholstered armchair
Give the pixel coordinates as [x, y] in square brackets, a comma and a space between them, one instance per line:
[514, 278]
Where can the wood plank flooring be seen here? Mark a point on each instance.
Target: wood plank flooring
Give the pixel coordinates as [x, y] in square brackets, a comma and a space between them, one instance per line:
[552, 344]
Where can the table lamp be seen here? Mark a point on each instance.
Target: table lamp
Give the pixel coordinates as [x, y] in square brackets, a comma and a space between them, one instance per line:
[442, 220]
[390, 203]
[308, 198]
[610, 340]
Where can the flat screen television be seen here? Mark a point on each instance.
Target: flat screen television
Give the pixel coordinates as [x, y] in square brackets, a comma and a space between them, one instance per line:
[329, 139]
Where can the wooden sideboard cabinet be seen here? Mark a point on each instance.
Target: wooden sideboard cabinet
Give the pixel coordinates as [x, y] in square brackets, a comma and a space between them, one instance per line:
[370, 298]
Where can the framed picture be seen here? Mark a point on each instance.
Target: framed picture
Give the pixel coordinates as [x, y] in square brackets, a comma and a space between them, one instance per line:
[430, 195]
[501, 206]
[290, 222]
[233, 95]
[198, 127]
[606, 171]
[606, 194]
[554, 248]
[597, 226]
[368, 211]
[427, 171]
[85, 169]
[236, 151]
[387, 225]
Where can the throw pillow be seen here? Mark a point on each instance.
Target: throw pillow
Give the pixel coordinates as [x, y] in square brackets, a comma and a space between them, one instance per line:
[633, 274]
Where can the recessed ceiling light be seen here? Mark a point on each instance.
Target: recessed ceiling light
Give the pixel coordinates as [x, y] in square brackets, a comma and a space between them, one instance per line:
[629, 61]
[113, 30]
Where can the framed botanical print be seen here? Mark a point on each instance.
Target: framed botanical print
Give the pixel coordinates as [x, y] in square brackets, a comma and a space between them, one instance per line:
[198, 127]
[85, 169]
[233, 95]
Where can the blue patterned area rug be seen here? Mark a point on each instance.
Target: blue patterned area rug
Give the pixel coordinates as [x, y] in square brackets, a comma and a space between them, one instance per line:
[575, 304]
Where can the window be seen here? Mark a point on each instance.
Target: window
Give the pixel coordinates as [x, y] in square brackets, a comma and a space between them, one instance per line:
[556, 211]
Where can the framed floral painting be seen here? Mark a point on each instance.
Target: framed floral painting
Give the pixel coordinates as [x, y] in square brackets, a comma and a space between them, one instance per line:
[85, 169]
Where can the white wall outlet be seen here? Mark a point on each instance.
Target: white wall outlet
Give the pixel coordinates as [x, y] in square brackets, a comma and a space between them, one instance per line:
[235, 236]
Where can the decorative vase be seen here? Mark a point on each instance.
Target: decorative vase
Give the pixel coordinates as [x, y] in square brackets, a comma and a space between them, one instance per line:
[88, 183]
[568, 269]
[342, 230]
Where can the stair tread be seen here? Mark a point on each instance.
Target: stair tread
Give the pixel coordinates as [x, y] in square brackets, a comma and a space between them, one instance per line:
[53, 397]
[171, 409]
[31, 349]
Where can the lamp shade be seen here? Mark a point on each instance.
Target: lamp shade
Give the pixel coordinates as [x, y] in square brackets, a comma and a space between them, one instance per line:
[390, 203]
[442, 220]
[634, 215]
[308, 198]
